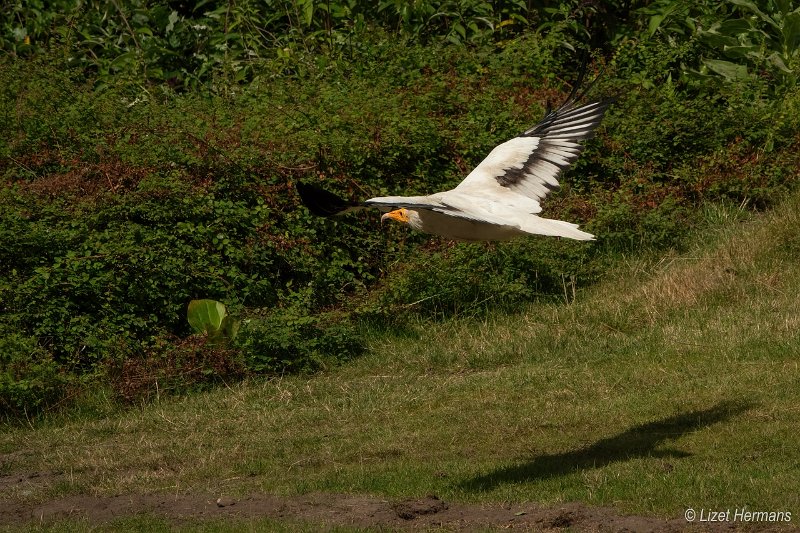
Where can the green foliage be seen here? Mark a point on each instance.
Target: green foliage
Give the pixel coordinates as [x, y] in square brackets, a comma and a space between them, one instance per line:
[210, 318]
[763, 36]
[215, 44]
[458, 21]
[292, 340]
[121, 206]
[470, 279]
[229, 42]
[29, 377]
[112, 272]
[742, 39]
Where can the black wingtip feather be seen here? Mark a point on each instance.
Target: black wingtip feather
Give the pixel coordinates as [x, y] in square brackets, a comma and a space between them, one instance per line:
[321, 202]
[573, 94]
[570, 103]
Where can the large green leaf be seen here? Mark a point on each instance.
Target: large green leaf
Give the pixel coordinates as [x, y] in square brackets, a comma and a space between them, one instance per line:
[716, 39]
[755, 10]
[206, 316]
[726, 69]
[655, 22]
[791, 32]
[739, 52]
[776, 59]
[307, 14]
[784, 6]
[733, 27]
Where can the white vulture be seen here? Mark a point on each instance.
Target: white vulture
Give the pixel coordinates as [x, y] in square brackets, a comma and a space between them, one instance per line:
[500, 199]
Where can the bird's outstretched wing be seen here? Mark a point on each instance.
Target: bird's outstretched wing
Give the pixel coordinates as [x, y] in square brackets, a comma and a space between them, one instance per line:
[530, 163]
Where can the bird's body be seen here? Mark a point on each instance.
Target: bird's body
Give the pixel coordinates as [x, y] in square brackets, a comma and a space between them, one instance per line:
[460, 218]
[500, 198]
[461, 229]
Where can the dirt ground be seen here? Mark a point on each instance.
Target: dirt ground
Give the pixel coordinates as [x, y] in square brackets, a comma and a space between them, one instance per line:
[323, 509]
[336, 509]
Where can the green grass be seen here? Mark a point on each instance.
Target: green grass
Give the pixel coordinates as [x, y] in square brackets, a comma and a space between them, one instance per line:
[670, 384]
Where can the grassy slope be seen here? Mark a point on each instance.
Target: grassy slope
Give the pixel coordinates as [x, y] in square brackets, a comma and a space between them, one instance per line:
[673, 383]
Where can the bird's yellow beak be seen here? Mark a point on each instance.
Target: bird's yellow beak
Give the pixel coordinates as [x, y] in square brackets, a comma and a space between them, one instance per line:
[400, 215]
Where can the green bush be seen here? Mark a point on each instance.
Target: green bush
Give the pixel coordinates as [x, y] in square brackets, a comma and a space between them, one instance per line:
[742, 40]
[29, 377]
[468, 279]
[290, 340]
[218, 43]
[122, 205]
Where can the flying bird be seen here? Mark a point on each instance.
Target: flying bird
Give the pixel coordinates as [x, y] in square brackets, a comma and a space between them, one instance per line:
[500, 199]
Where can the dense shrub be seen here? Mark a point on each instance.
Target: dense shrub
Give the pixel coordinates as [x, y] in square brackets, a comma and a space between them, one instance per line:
[122, 203]
[214, 42]
[467, 279]
[294, 341]
[29, 377]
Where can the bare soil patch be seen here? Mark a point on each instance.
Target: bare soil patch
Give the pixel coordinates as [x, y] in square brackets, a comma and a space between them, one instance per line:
[330, 509]
[325, 509]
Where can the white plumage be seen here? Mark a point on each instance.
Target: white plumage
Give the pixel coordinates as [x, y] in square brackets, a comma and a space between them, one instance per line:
[500, 199]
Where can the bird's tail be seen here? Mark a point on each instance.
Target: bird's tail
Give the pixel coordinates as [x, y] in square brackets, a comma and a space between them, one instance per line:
[555, 228]
[321, 202]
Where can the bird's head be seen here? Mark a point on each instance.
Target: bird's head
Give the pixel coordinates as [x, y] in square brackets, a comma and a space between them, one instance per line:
[400, 215]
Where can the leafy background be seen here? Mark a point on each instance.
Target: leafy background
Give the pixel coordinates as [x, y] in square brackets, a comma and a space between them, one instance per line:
[149, 151]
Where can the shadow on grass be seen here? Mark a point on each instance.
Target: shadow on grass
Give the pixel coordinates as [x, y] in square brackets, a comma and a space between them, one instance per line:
[638, 441]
